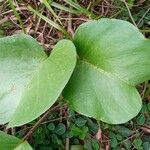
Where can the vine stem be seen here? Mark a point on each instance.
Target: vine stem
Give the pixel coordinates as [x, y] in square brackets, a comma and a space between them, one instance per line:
[29, 134]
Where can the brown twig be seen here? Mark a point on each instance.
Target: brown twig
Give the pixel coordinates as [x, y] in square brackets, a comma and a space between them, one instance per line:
[67, 139]
[28, 135]
[144, 90]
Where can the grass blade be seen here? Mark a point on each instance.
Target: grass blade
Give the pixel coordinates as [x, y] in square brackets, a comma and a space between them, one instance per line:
[80, 8]
[50, 9]
[64, 8]
[17, 15]
[50, 22]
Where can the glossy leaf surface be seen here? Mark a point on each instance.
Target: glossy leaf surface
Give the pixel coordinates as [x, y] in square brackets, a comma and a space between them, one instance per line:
[113, 57]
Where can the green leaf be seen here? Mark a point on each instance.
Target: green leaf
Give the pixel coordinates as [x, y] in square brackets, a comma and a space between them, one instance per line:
[119, 137]
[95, 144]
[76, 141]
[30, 83]
[9, 142]
[93, 127]
[76, 147]
[113, 139]
[79, 132]
[131, 2]
[146, 145]
[144, 108]
[113, 58]
[141, 119]
[113, 142]
[112, 135]
[147, 138]
[137, 143]
[51, 126]
[56, 140]
[20, 57]
[40, 137]
[60, 129]
[80, 122]
[128, 144]
[124, 131]
[23, 146]
[88, 145]
[148, 105]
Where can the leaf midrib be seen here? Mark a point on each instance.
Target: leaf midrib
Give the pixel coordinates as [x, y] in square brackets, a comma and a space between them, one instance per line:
[109, 74]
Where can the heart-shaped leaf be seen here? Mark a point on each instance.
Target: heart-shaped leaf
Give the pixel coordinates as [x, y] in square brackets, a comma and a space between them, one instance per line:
[47, 83]
[113, 57]
[32, 83]
[9, 142]
[20, 57]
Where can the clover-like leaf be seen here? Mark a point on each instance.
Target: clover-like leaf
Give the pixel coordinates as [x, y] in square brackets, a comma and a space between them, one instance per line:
[113, 58]
[9, 142]
[29, 81]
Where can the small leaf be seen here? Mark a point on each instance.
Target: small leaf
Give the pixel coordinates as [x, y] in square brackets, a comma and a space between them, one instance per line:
[40, 137]
[128, 144]
[79, 132]
[56, 140]
[113, 142]
[95, 144]
[148, 105]
[146, 145]
[80, 122]
[71, 113]
[119, 137]
[140, 119]
[51, 126]
[76, 147]
[85, 131]
[147, 138]
[9, 142]
[60, 129]
[76, 141]
[112, 135]
[88, 145]
[76, 131]
[124, 131]
[113, 139]
[144, 108]
[118, 148]
[93, 127]
[137, 143]
[131, 2]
